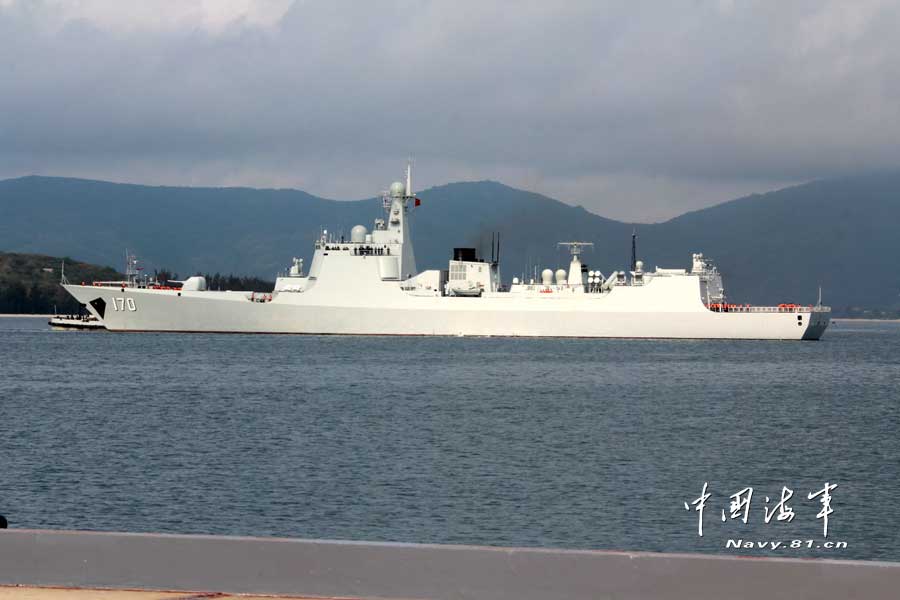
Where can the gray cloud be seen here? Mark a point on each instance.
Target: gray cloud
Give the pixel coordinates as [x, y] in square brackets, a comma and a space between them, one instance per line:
[636, 111]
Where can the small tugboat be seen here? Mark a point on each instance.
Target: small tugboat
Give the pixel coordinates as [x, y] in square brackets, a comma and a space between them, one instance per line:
[81, 321]
[89, 322]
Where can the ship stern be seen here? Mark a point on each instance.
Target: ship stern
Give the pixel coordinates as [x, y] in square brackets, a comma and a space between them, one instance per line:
[818, 320]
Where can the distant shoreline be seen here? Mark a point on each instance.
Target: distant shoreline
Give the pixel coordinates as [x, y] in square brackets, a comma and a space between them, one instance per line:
[861, 319]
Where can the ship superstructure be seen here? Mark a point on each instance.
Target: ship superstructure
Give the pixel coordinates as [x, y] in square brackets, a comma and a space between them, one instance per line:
[369, 285]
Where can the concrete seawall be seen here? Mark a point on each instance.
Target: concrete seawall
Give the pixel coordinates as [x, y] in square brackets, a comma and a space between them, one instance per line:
[383, 570]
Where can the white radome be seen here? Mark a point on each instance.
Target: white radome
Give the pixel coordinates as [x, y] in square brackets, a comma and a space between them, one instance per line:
[358, 234]
[398, 190]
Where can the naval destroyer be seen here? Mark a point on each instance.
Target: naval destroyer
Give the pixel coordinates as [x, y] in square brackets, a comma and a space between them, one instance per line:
[369, 285]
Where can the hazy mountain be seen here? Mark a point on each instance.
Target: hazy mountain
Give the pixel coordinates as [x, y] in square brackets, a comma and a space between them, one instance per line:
[773, 247]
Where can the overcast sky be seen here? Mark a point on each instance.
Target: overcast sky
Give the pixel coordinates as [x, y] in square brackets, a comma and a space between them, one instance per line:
[635, 110]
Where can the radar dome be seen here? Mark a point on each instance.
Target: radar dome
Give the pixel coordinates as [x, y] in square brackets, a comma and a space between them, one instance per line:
[560, 276]
[397, 189]
[358, 234]
[639, 265]
[547, 276]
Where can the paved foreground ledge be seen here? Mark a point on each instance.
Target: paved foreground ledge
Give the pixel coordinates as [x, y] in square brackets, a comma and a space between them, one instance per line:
[71, 565]
[39, 593]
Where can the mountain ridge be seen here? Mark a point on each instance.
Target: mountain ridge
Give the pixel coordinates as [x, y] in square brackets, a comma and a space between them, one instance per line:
[772, 247]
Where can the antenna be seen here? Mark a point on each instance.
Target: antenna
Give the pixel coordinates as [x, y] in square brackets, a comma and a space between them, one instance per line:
[409, 176]
[495, 247]
[64, 281]
[132, 271]
[634, 249]
[819, 302]
[575, 247]
[496, 263]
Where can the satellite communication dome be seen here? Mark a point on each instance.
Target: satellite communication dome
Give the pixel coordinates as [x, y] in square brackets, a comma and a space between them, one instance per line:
[547, 276]
[560, 276]
[397, 189]
[639, 265]
[358, 234]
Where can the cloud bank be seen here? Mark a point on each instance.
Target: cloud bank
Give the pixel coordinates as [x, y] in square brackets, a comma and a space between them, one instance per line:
[636, 111]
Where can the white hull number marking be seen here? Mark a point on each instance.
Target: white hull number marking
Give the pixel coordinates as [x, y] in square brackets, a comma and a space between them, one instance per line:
[120, 304]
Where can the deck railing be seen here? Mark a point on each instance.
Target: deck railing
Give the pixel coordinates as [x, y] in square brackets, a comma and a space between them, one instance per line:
[746, 308]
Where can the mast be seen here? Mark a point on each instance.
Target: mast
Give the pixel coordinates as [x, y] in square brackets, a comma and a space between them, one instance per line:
[634, 249]
[575, 266]
[495, 261]
[495, 247]
[395, 227]
[409, 177]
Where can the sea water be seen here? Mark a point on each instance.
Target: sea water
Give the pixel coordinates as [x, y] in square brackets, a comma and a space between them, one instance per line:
[602, 444]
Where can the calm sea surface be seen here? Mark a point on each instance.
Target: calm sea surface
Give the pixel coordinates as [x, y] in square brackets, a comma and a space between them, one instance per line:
[570, 443]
